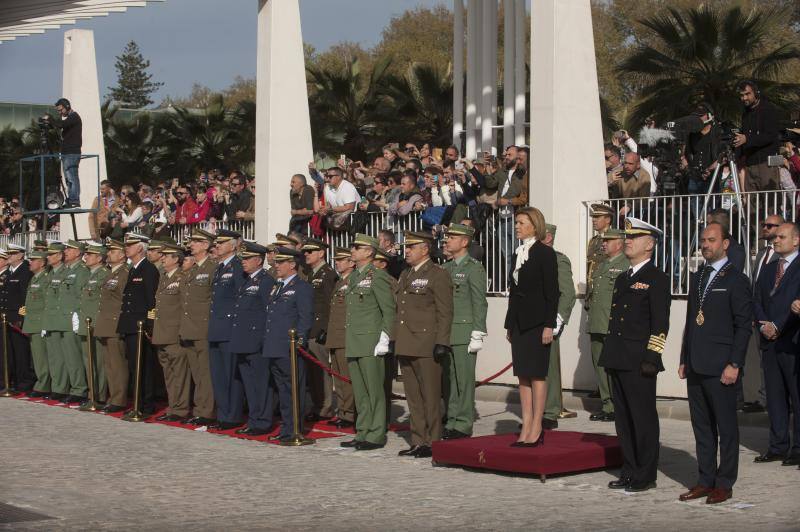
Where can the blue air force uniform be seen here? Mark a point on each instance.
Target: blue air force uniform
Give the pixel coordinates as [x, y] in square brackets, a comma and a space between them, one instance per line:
[225, 380]
[290, 306]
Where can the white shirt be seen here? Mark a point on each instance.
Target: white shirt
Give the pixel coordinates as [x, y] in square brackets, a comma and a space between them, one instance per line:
[638, 267]
[420, 265]
[342, 195]
[789, 260]
[717, 267]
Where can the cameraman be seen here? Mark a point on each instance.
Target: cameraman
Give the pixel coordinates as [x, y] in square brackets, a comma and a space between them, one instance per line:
[71, 141]
[758, 138]
[701, 151]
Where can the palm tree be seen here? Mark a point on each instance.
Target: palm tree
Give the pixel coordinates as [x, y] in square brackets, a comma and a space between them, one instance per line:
[347, 107]
[700, 54]
[423, 99]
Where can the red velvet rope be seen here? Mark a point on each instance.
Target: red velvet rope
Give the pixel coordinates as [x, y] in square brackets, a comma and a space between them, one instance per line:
[17, 329]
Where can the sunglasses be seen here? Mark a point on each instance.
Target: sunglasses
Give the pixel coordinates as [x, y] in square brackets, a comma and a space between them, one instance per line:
[609, 157]
[770, 226]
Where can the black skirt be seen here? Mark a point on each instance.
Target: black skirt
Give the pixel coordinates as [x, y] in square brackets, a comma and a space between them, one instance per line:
[529, 355]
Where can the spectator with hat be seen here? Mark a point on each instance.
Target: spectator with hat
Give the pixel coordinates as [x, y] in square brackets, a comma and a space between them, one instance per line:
[249, 319]
[33, 314]
[94, 259]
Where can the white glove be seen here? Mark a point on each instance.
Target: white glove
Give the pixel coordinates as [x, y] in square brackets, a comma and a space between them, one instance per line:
[382, 347]
[75, 322]
[476, 341]
[44, 333]
[559, 325]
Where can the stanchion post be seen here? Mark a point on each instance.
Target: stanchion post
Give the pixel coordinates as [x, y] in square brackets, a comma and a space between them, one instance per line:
[135, 415]
[297, 438]
[6, 375]
[91, 404]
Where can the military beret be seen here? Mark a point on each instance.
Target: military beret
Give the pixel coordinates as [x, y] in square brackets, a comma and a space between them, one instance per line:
[601, 209]
[365, 240]
[74, 244]
[224, 235]
[200, 234]
[635, 227]
[416, 237]
[251, 248]
[613, 234]
[114, 244]
[55, 246]
[461, 230]
[37, 254]
[172, 249]
[16, 248]
[550, 228]
[96, 248]
[340, 253]
[136, 238]
[284, 254]
[40, 245]
[313, 244]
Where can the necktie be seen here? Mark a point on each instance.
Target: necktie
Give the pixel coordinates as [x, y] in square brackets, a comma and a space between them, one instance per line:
[767, 255]
[706, 276]
[779, 273]
[630, 273]
[279, 284]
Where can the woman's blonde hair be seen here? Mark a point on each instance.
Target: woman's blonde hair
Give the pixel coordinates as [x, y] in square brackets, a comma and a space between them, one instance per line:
[537, 220]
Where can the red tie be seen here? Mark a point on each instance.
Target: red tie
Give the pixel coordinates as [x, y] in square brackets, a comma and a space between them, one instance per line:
[779, 273]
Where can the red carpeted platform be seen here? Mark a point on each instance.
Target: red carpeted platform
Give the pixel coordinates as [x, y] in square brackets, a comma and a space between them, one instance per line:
[562, 452]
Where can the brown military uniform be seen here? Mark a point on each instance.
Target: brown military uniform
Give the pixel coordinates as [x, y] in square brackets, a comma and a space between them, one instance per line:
[193, 332]
[166, 322]
[105, 330]
[345, 404]
[424, 317]
[319, 383]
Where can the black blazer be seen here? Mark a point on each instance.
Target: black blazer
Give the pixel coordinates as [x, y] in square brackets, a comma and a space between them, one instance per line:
[138, 298]
[728, 316]
[15, 291]
[775, 307]
[534, 299]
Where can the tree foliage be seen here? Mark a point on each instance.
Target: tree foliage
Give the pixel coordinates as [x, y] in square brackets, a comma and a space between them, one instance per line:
[134, 84]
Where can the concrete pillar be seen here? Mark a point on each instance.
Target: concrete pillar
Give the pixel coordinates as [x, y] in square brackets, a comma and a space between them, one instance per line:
[565, 112]
[80, 87]
[508, 71]
[488, 65]
[473, 74]
[520, 79]
[283, 128]
[458, 71]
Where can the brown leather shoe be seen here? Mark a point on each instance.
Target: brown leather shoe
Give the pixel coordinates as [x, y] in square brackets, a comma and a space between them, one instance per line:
[695, 493]
[719, 495]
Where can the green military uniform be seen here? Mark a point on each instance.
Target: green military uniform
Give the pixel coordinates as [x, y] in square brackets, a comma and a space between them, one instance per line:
[566, 300]
[75, 278]
[368, 330]
[56, 324]
[469, 323]
[422, 338]
[598, 307]
[335, 343]
[594, 250]
[32, 325]
[89, 305]
[166, 324]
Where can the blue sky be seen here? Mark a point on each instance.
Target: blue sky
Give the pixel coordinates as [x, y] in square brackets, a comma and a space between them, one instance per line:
[187, 41]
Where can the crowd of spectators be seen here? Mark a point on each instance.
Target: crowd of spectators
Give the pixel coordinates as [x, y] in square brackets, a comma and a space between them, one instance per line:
[11, 220]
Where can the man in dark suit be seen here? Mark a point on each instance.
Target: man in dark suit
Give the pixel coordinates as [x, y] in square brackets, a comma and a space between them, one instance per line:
[138, 299]
[225, 379]
[776, 289]
[637, 334]
[13, 298]
[718, 326]
[290, 306]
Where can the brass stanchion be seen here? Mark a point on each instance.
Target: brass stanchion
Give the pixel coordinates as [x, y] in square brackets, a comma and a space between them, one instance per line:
[6, 377]
[297, 438]
[136, 413]
[564, 414]
[91, 404]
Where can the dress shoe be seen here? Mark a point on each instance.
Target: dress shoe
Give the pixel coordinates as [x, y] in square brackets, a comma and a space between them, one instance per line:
[368, 446]
[313, 418]
[752, 408]
[57, 396]
[594, 395]
[411, 451]
[620, 484]
[768, 457]
[424, 451]
[72, 399]
[224, 425]
[341, 424]
[695, 493]
[792, 460]
[636, 487]
[719, 495]
[597, 416]
[148, 410]
[252, 432]
[349, 443]
[285, 437]
[528, 444]
[199, 421]
[33, 394]
[450, 434]
[549, 424]
[171, 418]
[609, 416]
[112, 409]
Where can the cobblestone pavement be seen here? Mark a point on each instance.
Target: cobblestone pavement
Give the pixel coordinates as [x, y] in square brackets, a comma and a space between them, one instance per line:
[91, 472]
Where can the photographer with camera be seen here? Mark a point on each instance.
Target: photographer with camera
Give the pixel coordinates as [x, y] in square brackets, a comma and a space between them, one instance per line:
[701, 153]
[71, 127]
[758, 138]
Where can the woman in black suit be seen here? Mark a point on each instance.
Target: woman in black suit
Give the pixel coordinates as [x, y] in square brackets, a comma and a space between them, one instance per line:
[530, 320]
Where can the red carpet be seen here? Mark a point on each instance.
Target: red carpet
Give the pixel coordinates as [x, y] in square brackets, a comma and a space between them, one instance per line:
[562, 452]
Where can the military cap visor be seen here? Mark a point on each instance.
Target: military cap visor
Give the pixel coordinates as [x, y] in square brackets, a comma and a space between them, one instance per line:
[135, 238]
[460, 230]
[224, 235]
[16, 248]
[601, 209]
[37, 254]
[284, 254]
[312, 244]
[156, 245]
[201, 235]
[365, 240]
[283, 240]
[635, 227]
[341, 254]
[114, 244]
[414, 237]
[96, 249]
[250, 249]
[613, 234]
[171, 249]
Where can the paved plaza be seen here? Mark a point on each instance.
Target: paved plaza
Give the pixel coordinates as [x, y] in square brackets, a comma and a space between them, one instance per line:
[90, 472]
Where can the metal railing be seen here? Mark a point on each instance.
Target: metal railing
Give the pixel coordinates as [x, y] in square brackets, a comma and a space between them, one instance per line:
[26, 239]
[181, 233]
[682, 218]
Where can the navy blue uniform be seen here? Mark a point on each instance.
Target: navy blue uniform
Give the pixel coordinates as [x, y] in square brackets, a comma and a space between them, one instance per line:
[249, 319]
[290, 306]
[12, 297]
[225, 379]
